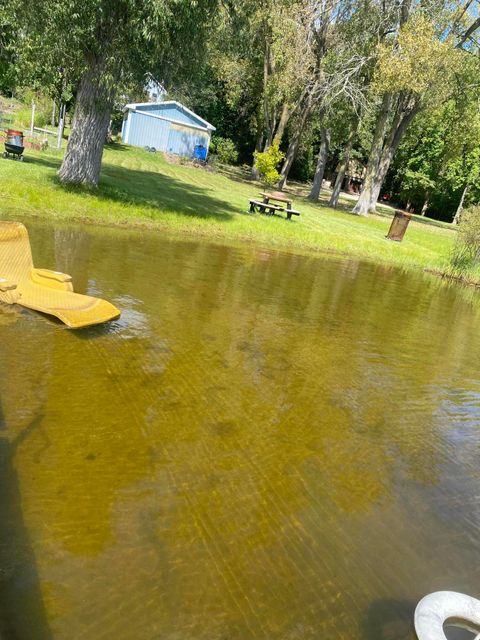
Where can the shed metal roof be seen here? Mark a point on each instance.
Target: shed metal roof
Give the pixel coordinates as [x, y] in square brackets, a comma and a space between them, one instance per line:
[134, 106]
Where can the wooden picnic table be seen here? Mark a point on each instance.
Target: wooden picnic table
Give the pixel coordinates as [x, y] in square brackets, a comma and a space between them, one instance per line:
[265, 206]
[278, 196]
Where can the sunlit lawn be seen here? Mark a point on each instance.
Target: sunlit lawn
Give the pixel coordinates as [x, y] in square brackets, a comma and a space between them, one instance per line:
[142, 188]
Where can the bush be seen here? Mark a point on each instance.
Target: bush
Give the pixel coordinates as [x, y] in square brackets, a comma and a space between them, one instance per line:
[267, 163]
[43, 110]
[224, 149]
[466, 252]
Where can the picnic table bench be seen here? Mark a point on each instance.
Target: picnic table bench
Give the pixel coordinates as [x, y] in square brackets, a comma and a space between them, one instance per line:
[291, 212]
[267, 207]
[264, 207]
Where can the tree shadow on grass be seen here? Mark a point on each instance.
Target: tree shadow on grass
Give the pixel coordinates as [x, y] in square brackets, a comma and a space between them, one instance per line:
[239, 174]
[116, 146]
[22, 613]
[50, 163]
[152, 190]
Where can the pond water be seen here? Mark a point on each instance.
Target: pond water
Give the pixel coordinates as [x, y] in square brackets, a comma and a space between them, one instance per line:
[264, 445]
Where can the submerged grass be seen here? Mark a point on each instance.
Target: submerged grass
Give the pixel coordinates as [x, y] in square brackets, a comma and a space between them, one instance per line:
[139, 188]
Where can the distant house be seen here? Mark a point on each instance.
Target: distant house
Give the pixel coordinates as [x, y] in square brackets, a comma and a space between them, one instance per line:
[167, 126]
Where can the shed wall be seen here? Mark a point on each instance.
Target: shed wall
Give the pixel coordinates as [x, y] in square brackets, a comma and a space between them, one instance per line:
[141, 130]
[146, 131]
[182, 140]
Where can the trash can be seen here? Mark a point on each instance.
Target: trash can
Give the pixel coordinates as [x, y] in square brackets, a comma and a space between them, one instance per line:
[200, 152]
[399, 226]
[15, 137]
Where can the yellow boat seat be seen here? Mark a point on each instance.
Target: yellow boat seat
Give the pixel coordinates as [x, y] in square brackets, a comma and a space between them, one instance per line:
[43, 290]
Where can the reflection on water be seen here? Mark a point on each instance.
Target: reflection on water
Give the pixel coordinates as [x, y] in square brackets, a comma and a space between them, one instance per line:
[22, 614]
[262, 446]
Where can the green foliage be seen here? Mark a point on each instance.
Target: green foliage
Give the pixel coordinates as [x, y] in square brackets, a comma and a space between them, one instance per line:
[224, 149]
[261, 57]
[439, 156]
[125, 39]
[99, 49]
[417, 60]
[43, 109]
[466, 252]
[267, 163]
[7, 69]
[303, 167]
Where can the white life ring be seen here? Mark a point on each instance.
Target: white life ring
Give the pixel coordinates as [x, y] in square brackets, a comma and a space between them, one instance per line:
[443, 608]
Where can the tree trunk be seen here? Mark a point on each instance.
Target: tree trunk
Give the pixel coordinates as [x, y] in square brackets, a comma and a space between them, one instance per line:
[295, 142]
[373, 180]
[383, 150]
[343, 168]
[458, 213]
[268, 114]
[425, 205]
[400, 123]
[282, 123]
[321, 163]
[362, 206]
[83, 158]
[258, 147]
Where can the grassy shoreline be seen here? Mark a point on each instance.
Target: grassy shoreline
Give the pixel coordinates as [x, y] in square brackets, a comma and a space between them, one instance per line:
[143, 190]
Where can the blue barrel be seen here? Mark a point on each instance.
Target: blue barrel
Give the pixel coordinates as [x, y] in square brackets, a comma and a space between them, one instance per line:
[200, 152]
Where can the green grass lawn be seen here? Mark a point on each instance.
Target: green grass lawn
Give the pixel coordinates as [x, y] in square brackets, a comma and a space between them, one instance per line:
[139, 188]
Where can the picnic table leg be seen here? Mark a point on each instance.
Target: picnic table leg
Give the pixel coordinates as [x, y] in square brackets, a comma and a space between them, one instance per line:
[252, 208]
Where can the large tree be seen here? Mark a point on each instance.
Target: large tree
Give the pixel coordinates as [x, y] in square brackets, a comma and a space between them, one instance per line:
[261, 53]
[343, 34]
[418, 66]
[104, 46]
[436, 168]
[7, 54]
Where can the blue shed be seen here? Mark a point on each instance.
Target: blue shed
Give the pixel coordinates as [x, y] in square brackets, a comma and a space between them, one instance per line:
[168, 126]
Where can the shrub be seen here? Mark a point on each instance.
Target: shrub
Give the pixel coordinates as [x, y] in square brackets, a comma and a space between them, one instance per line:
[43, 109]
[267, 163]
[224, 149]
[466, 252]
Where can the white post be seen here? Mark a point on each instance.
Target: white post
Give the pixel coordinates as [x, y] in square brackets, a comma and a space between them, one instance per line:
[32, 124]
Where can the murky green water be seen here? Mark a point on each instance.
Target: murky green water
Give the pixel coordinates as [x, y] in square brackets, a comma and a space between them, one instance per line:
[263, 446]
